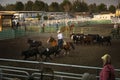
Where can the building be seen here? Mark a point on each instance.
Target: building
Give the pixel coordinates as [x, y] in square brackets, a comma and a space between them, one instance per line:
[117, 14]
[6, 19]
[107, 16]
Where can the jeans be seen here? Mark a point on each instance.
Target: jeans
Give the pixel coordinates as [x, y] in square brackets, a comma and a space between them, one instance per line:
[60, 43]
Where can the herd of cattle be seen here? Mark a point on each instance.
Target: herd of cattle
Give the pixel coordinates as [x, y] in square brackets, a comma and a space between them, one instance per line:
[90, 39]
[36, 47]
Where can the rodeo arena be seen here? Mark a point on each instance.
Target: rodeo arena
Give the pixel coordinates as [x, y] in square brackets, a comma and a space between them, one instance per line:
[27, 51]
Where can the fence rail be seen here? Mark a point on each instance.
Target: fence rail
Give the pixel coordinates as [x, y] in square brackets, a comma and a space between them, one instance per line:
[37, 73]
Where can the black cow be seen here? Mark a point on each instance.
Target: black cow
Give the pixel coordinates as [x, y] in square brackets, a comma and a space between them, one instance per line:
[34, 43]
[47, 52]
[30, 53]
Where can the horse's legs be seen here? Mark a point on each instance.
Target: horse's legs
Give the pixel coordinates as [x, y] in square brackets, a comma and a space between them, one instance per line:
[71, 44]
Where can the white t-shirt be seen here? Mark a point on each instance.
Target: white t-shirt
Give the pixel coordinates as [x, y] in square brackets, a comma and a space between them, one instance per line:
[60, 36]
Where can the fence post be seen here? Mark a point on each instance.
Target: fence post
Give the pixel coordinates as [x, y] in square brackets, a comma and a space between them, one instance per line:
[0, 74]
[45, 71]
[97, 73]
[61, 78]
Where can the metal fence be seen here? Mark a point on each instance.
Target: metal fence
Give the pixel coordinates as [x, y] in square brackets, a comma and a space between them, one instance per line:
[8, 72]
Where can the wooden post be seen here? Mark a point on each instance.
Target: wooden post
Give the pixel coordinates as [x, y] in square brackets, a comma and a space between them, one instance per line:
[0, 23]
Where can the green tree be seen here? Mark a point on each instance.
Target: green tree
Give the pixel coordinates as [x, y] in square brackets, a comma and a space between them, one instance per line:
[92, 8]
[102, 8]
[40, 6]
[84, 7]
[19, 6]
[112, 9]
[79, 6]
[76, 6]
[45, 17]
[46, 7]
[10, 7]
[1, 8]
[28, 6]
[66, 5]
[54, 7]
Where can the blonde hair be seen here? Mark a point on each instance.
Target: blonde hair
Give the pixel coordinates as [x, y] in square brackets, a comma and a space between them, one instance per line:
[106, 59]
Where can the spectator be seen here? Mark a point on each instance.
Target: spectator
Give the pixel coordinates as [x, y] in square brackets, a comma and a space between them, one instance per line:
[60, 38]
[107, 73]
[57, 26]
[43, 28]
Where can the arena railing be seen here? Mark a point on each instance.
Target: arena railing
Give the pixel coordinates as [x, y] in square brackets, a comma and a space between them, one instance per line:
[37, 72]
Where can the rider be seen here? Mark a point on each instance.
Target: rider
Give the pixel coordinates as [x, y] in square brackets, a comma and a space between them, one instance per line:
[60, 39]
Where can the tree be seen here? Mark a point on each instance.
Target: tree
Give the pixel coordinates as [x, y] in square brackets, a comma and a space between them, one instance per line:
[93, 8]
[54, 7]
[19, 6]
[76, 6]
[10, 7]
[79, 6]
[28, 6]
[84, 7]
[1, 8]
[102, 8]
[46, 7]
[40, 6]
[66, 5]
[112, 9]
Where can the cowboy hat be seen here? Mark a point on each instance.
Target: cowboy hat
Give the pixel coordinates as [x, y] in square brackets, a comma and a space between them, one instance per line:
[58, 31]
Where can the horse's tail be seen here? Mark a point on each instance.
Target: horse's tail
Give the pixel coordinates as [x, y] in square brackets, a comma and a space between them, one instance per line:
[71, 44]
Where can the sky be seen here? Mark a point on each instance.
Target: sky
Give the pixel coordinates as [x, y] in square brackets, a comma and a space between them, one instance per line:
[107, 2]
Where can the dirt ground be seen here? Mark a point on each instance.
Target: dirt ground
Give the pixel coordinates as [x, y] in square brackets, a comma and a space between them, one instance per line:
[86, 55]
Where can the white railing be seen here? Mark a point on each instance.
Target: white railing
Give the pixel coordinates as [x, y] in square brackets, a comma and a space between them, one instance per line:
[24, 72]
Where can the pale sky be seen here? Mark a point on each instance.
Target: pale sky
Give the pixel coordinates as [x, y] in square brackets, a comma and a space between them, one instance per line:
[107, 2]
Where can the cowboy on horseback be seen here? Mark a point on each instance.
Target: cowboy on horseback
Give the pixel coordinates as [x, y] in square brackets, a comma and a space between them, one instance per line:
[60, 39]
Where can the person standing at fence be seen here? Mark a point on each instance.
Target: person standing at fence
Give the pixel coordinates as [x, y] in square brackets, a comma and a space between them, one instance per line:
[107, 73]
[43, 28]
[57, 26]
[60, 39]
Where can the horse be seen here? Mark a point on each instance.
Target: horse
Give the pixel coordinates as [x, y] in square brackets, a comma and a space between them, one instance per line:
[66, 45]
[34, 43]
[30, 53]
